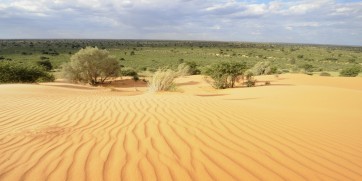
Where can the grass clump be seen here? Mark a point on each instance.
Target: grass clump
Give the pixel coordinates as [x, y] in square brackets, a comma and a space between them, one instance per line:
[162, 80]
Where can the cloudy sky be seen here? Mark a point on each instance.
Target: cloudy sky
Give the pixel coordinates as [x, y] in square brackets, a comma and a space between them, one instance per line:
[300, 21]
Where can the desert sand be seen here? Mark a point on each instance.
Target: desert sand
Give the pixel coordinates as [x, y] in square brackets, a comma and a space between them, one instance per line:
[298, 128]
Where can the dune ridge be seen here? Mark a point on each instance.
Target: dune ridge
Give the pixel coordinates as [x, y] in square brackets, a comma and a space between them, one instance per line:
[263, 133]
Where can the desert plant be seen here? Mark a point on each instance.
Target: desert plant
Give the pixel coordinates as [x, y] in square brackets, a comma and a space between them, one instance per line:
[162, 80]
[45, 63]
[91, 65]
[225, 74]
[307, 67]
[128, 72]
[183, 69]
[193, 68]
[325, 74]
[263, 68]
[12, 72]
[350, 72]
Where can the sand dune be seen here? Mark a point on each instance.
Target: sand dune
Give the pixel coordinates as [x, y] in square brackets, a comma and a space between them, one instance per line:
[298, 128]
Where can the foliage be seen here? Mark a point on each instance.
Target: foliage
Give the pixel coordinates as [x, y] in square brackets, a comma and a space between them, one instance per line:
[263, 68]
[307, 67]
[45, 63]
[183, 69]
[162, 80]
[250, 81]
[325, 74]
[128, 72]
[350, 72]
[225, 74]
[91, 65]
[12, 72]
[193, 68]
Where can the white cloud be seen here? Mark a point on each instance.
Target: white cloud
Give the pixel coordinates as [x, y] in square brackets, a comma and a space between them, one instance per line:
[184, 19]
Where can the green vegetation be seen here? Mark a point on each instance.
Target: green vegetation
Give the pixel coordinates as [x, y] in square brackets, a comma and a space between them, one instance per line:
[148, 56]
[91, 65]
[225, 74]
[263, 68]
[46, 64]
[325, 74]
[350, 72]
[13, 72]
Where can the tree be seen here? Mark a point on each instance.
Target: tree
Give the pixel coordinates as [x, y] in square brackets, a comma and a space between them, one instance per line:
[225, 74]
[91, 65]
[12, 72]
[350, 72]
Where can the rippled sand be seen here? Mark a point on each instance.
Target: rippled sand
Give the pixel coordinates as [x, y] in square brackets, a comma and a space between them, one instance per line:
[298, 128]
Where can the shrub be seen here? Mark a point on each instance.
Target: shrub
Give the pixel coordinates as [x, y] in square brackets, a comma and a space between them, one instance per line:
[183, 69]
[162, 80]
[45, 63]
[307, 67]
[350, 72]
[11, 72]
[325, 74]
[225, 74]
[263, 68]
[128, 72]
[193, 68]
[91, 65]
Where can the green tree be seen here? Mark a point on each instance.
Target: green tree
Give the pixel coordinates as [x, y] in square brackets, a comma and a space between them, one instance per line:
[225, 74]
[12, 72]
[91, 65]
[350, 72]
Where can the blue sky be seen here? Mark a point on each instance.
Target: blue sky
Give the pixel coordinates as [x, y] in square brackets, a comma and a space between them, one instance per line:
[304, 21]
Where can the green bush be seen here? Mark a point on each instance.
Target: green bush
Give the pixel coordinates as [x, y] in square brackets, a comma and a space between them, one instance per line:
[263, 68]
[46, 64]
[325, 74]
[128, 72]
[350, 72]
[225, 74]
[91, 65]
[11, 72]
[193, 68]
[307, 67]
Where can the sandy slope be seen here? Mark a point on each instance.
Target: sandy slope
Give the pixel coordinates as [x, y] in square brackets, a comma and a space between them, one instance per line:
[299, 128]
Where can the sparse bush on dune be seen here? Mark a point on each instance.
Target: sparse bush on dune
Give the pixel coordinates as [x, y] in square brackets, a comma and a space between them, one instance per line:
[225, 74]
[350, 72]
[325, 74]
[128, 72]
[250, 80]
[91, 65]
[162, 80]
[183, 69]
[263, 68]
[45, 63]
[12, 72]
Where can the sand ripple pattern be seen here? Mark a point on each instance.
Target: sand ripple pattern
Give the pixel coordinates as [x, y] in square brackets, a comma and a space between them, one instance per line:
[90, 135]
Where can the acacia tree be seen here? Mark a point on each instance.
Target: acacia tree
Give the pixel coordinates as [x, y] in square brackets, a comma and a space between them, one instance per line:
[225, 74]
[91, 65]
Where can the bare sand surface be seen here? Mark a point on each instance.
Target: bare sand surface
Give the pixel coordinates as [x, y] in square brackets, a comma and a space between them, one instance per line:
[298, 128]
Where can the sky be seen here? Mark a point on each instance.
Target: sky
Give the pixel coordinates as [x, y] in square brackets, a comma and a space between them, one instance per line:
[302, 21]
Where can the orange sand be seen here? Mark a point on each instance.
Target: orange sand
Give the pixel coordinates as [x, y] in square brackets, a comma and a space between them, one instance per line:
[298, 128]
